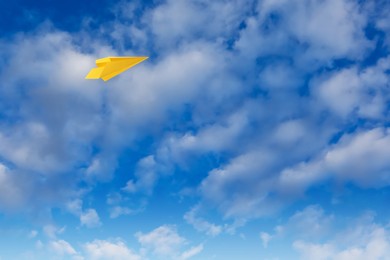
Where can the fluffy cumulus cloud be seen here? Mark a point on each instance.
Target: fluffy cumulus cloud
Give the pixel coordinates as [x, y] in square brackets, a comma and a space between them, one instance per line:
[360, 158]
[101, 249]
[351, 92]
[51, 136]
[201, 224]
[90, 218]
[318, 31]
[364, 240]
[62, 247]
[315, 233]
[176, 22]
[146, 176]
[242, 108]
[164, 241]
[311, 223]
[52, 231]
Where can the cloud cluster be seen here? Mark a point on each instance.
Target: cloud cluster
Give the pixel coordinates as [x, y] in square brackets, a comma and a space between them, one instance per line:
[101, 249]
[275, 112]
[88, 217]
[280, 94]
[49, 118]
[165, 242]
[314, 233]
[361, 240]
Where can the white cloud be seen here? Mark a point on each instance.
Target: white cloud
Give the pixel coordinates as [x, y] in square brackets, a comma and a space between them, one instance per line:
[175, 22]
[11, 193]
[164, 243]
[313, 251]
[287, 77]
[90, 218]
[260, 174]
[201, 224]
[46, 150]
[216, 137]
[193, 251]
[54, 129]
[105, 250]
[119, 211]
[252, 171]
[62, 247]
[146, 176]
[342, 92]
[352, 91]
[341, 24]
[75, 206]
[118, 205]
[223, 135]
[290, 132]
[362, 158]
[51, 231]
[165, 88]
[164, 240]
[377, 12]
[311, 222]
[290, 29]
[114, 198]
[101, 168]
[359, 157]
[317, 235]
[361, 240]
[265, 238]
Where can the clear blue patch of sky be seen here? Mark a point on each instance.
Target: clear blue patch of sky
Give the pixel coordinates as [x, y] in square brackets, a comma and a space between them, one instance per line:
[25, 15]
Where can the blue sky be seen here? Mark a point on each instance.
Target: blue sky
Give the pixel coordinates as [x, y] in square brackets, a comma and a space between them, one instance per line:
[255, 130]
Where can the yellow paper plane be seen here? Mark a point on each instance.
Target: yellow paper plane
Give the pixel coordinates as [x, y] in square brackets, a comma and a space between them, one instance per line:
[110, 67]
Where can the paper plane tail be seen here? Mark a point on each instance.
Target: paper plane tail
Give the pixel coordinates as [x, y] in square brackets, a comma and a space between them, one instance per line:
[95, 73]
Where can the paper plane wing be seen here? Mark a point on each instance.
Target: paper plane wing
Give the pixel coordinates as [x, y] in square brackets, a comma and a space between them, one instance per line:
[110, 67]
